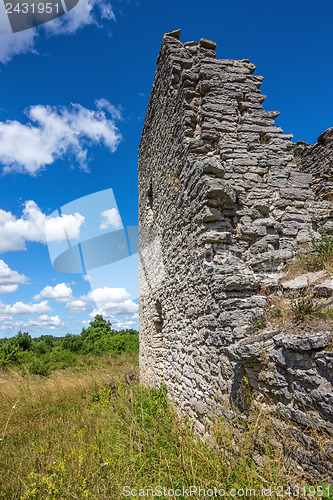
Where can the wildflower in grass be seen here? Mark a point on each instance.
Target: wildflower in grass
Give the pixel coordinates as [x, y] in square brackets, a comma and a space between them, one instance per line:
[127, 382]
[129, 399]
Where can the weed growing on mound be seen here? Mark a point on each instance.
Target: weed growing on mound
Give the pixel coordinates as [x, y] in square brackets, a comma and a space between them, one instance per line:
[303, 304]
[316, 258]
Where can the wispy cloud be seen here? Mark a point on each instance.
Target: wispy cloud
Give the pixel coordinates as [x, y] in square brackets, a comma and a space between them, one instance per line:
[116, 113]
[53, 132]
[13, 44]
[87, 12]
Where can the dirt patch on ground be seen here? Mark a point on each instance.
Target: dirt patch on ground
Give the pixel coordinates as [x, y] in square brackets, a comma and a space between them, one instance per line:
[308, 325]
[293, 326]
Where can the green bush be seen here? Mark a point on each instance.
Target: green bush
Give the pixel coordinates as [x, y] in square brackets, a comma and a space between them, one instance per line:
[8, 352]
[39, 367]
[47, 353]
[72, 343]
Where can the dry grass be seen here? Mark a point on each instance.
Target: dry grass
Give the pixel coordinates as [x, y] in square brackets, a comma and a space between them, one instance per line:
[299, 311]
[317, 257]
[31, 393]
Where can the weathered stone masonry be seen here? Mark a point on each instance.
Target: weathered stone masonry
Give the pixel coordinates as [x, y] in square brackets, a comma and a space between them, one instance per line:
[222, 207]
[317, 159]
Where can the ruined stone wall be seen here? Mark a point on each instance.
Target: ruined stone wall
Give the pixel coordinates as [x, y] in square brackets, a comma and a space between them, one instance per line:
[317, 159]
[294, 373]
[222, 207]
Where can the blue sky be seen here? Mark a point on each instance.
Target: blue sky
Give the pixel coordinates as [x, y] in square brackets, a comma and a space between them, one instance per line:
[74, 94]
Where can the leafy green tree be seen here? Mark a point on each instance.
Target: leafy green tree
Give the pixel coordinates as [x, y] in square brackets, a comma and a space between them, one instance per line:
[49, 340]
[72, 342]
[24, 341]
[9, 351]
[98, 327]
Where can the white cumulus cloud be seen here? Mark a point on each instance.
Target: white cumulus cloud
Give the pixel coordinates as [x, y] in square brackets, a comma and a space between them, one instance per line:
[22, 308]
[43, 322]
[115, 308]
[111, 218]
[51, 133]
[123, 325]
[59, 293]
[66, 226]
[10, 279]
[35, 226]
[110, 301]
[76, 306]
[107, 294]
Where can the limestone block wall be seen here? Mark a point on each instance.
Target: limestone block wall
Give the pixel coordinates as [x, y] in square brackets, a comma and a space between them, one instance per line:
[295, 374]
[317, 159]
[222, 208]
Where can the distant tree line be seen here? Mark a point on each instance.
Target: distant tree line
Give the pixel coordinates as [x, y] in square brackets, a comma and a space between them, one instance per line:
[45, 353]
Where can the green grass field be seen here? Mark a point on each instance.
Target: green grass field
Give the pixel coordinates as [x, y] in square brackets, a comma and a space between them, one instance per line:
[75, 423]
[90, 432]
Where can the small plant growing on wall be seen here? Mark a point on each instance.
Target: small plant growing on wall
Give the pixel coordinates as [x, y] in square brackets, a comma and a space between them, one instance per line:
[320, 254]
[304, 304]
